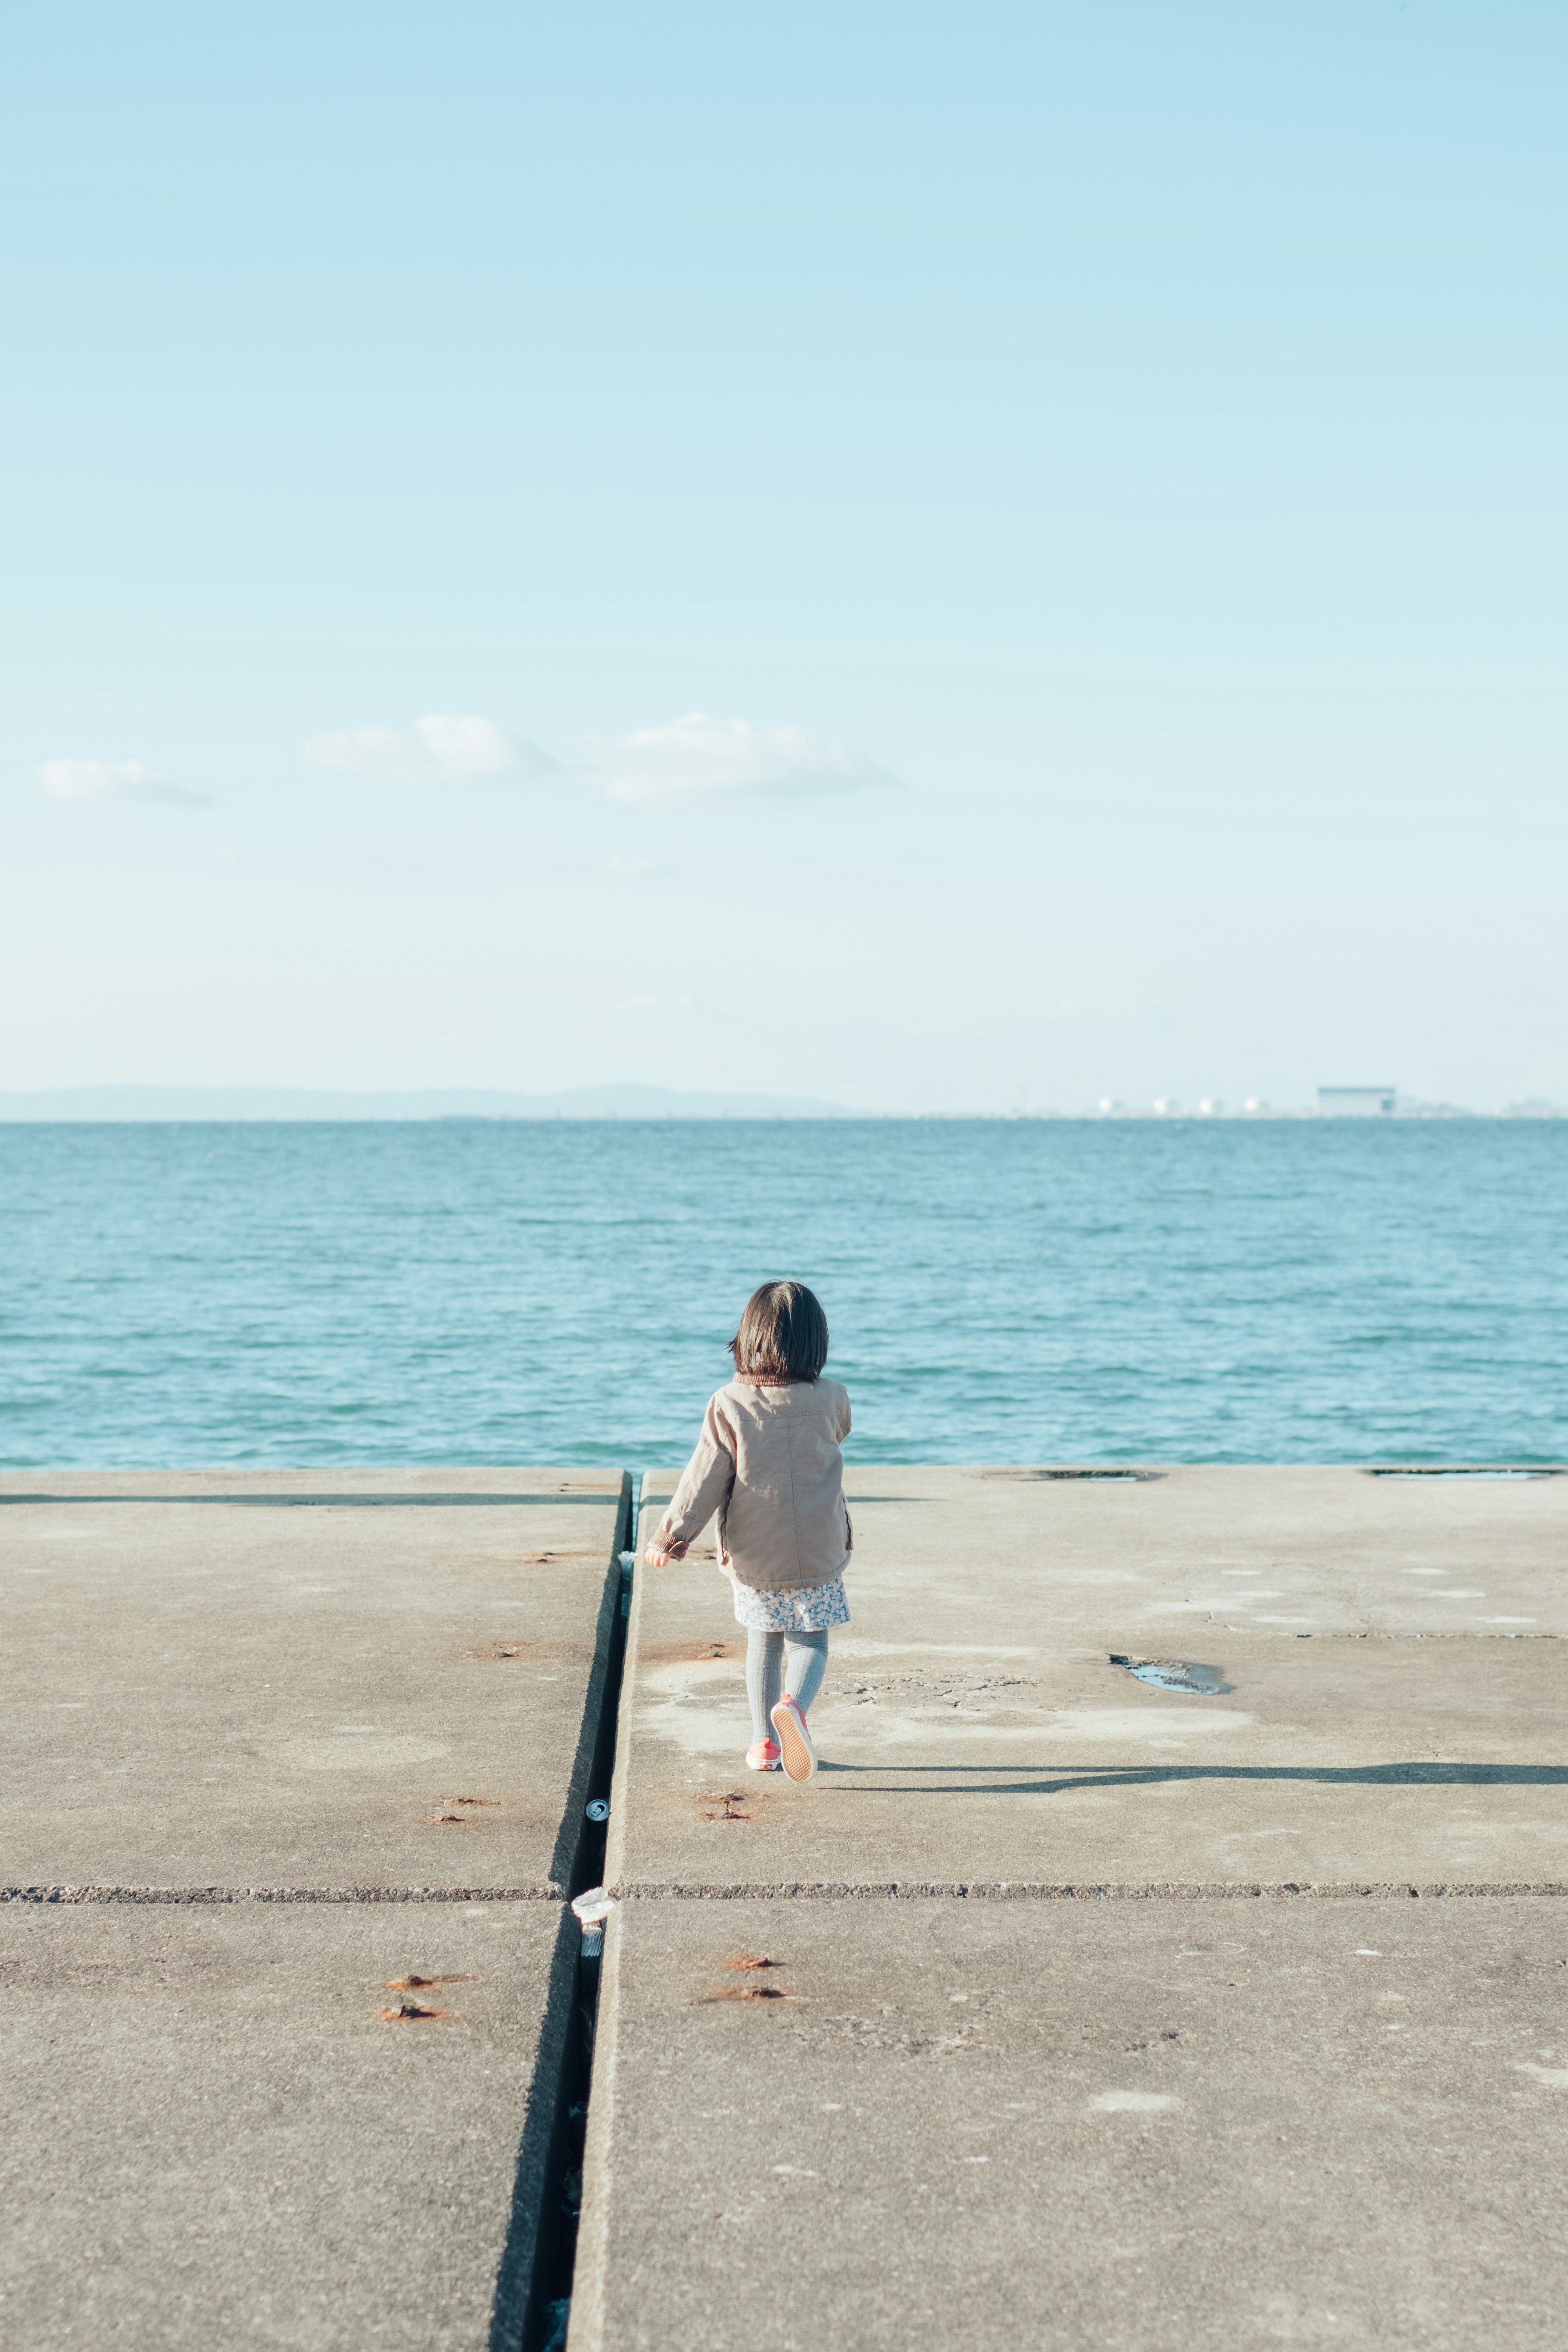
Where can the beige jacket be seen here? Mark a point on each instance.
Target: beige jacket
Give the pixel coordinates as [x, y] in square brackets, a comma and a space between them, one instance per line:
[768, 1463]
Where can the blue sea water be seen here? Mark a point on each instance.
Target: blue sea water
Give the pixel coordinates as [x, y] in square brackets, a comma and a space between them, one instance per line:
[1024, 1291]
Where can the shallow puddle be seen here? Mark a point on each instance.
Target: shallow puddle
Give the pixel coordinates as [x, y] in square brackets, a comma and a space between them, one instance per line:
[1176, 1675]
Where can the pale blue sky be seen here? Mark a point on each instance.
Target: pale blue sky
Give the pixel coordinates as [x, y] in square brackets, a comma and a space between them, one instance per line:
[1099, 473]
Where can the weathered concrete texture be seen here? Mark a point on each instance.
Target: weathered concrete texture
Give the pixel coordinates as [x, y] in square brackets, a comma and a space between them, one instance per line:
[972, 1727]
[214, 2136]
[213, 2131]
[1275, 1550]
[383, 1693]
[1089, 2126]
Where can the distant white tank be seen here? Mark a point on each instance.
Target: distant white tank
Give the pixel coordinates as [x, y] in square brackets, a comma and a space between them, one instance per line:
[1357, 1102]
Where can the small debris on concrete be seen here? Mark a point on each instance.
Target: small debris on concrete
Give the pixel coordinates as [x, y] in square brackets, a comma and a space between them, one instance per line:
[730, 1808]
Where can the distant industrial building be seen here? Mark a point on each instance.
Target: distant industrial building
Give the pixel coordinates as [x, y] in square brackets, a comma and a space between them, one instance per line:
[1357, 1102]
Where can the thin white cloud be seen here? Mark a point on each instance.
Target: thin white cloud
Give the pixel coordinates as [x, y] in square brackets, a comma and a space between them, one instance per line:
[93, 780]
[696, 758]
[111, 779]
[441, 748]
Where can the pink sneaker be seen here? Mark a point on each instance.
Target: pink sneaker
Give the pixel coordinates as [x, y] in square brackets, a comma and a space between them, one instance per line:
[795, 1740]
[762, 1756]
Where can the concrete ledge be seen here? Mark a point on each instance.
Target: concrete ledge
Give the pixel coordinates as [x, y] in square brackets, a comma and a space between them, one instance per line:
[1148, 2126]
[1064, 2009]
[338, 1699]
[291, 1801]
[975, 1729]
[216, 2134]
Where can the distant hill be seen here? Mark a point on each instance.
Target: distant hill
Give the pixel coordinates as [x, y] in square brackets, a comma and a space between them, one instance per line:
[161, 1103]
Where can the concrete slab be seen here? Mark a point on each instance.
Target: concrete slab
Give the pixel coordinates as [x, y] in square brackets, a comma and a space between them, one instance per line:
[214, 2136]
[1154, 2126]
[372, 1699]
[1130, 1555]
[301, 1682]
[974, 1727]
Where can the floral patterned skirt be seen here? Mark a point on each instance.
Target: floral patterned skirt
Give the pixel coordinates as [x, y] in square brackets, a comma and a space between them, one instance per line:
[791, 1609]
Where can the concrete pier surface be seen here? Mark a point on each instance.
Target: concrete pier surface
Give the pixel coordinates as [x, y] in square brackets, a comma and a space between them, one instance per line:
[215, 2133]
[295, 1769]
[1161, 2126]
[1392, 1708]
[1101, 2014]
[1065, 2007]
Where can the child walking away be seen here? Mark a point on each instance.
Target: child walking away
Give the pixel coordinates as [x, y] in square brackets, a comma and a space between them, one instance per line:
[768, 1462]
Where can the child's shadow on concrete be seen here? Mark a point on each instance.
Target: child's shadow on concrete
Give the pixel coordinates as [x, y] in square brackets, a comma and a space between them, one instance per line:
[1053, 1779]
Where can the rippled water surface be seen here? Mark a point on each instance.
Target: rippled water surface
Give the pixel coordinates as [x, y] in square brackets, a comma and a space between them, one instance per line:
[1056, 1291]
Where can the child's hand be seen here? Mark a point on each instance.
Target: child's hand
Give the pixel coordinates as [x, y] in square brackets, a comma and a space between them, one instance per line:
[659, 1555]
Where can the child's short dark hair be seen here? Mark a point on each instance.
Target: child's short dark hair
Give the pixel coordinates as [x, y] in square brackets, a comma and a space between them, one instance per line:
[783, 1333]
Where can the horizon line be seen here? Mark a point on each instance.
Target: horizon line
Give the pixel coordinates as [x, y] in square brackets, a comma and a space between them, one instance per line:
[144, 1104]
